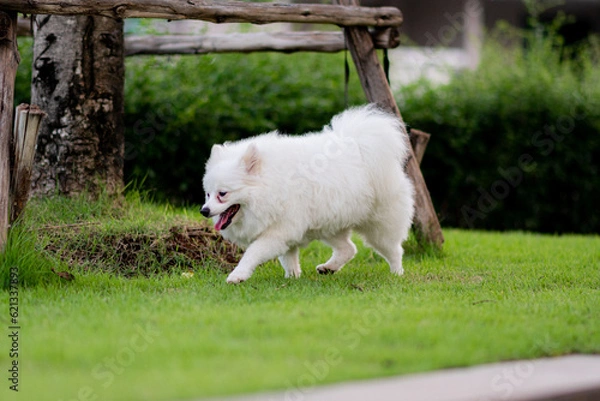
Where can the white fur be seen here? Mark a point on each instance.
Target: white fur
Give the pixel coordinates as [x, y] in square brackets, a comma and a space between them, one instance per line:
[295, 189]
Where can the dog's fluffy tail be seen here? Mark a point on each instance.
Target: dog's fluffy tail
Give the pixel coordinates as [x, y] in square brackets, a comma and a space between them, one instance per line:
[381, 136]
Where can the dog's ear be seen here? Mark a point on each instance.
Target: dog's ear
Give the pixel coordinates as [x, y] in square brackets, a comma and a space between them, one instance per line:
[215, 151]
[251, 160]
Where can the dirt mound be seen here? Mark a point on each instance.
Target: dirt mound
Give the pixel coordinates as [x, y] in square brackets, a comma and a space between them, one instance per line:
[133, 254]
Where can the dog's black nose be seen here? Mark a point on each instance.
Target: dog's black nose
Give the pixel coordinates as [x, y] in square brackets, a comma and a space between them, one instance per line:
[205, 211]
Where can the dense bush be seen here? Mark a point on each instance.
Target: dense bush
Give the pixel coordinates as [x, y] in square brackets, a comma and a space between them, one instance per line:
[178, 107]
[516, 143]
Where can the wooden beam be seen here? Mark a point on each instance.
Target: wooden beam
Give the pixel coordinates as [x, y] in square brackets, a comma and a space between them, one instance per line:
[214, 11]
[286, 42]
[9, 61]
[377, 90]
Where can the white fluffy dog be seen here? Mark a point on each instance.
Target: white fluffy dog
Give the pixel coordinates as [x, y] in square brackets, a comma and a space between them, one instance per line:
[275, 193]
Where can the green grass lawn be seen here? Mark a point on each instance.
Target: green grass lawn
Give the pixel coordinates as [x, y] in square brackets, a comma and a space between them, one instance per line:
[487, 297]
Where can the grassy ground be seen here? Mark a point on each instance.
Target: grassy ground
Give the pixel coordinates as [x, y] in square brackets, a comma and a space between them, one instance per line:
[113, 334]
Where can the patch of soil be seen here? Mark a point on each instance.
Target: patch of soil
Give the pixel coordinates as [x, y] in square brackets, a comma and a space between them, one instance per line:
[135, 254]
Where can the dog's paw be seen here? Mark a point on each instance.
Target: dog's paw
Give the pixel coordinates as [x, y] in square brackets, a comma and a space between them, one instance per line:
[236, 278]
[397, 271]
[293, 274]
[324, 269]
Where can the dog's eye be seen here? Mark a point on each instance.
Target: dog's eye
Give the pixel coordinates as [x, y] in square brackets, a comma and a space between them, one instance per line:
[222, 194]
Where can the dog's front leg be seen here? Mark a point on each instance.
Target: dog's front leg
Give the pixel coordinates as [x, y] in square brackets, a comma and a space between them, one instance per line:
[260, 251]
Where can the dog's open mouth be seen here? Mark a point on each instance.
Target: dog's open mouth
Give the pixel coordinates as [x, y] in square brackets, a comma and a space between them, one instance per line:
[226, 217]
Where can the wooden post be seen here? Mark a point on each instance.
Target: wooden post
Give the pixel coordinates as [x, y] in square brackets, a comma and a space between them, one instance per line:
[377, 90]
[9, 61]
[27, 126]
[419, 141]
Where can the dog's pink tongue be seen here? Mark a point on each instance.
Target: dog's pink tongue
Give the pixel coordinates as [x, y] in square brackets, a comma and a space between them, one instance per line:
[220, 222]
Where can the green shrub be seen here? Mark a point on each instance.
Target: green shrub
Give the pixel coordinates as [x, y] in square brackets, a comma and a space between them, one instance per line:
[178, 107]
[515, 144]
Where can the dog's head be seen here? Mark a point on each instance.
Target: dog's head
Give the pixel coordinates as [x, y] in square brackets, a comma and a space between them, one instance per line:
[230, 171]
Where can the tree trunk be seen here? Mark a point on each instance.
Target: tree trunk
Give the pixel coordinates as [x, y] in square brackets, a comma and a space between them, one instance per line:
[78, 79]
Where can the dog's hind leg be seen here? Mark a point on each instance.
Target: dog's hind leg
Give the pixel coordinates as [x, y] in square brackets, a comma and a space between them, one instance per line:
[343, 251]
[392, 252]
[387, 241]
[291, 262]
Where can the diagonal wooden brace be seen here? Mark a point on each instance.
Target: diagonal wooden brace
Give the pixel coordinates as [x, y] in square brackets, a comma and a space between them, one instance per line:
[374, 82]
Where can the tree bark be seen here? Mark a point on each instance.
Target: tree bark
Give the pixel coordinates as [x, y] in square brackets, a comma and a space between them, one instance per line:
[78, 79]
